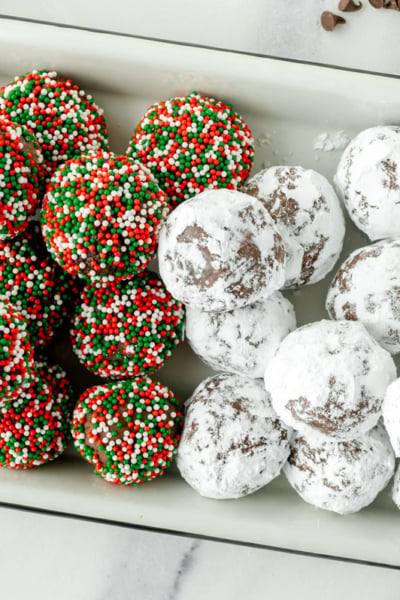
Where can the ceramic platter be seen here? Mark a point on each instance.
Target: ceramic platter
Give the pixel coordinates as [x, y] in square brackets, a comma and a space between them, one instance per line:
[287, 105]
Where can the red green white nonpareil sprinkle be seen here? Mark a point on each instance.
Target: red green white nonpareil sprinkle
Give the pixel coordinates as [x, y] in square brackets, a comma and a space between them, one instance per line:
[101, 216]
[64, 119]
[193, 143]
[126, 328]
[129, 430]
[21, 174]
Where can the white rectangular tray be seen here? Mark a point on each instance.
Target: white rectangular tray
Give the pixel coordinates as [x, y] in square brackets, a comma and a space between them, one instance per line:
[287, 105]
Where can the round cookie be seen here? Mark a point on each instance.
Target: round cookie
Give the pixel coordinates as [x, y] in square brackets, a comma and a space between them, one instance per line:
[64, 119]
[101, 217]
[366, 289]
[329, 377]
[39, 289]
[128, 327]
[191, 144]
[220, 251]
[307, 214]
[128, 430]
[34, 427]
[341, 476]
[21, 172]
[16, 353]
[368, 179]
[391, 414]
[232, 442]
[242, 340]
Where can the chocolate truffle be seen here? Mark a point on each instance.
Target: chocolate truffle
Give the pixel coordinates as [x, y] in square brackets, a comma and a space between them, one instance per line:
[125, 328]
[128, 430]
[193, 143]
[391, 414]
[368, 179]
[341, 476]
[101, 216]
[16, 353]
[21, 173]
[366, 288]
[39, 289]
[34, 427]
[308, 216]
[329, 377]
[232, 442]
[64, 119]
[242, 340]
[220, 251]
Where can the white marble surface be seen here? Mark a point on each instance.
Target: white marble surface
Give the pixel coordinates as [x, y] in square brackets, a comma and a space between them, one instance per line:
[45, 557]
[50, 557]
[286, 28]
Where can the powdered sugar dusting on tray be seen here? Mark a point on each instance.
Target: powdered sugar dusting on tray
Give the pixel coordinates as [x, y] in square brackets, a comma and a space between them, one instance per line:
[330, 142]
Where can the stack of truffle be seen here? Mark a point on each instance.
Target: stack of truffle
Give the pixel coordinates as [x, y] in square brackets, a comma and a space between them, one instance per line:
[307, 401]
[99, 221]
[225, 254]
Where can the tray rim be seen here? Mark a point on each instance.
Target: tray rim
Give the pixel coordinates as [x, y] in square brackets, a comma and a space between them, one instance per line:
[110, 32]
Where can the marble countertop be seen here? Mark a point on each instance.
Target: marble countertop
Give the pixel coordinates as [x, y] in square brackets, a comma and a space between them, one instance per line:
[45, 556]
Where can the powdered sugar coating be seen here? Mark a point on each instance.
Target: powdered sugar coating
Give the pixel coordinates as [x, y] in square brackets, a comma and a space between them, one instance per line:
[307, 214]
[396, 488]
[242, 340]
[329, 377]
[341, 476]
[391, 414]
[232, 442]
[220, 251]
[366, 288]
[368, 179]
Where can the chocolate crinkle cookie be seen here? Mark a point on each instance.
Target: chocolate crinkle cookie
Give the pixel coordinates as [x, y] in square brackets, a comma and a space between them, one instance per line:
[343, 476]
[220, 251]
[308, 216]
[242, 340]
[368, 179]
[391, 414]
[233, 442]
[366, 289]
[330, 377]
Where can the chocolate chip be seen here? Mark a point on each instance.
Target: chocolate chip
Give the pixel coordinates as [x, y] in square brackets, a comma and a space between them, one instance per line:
[349, 6]
[329, 20]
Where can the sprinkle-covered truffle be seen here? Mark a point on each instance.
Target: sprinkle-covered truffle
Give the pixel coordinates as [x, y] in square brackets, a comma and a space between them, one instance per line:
[40, 290]
[64, 119]
[62, 392]
[16, 354]
[128, 327]
[101, 216]
[21, 172]
[34, 426]
[193, 143]
[129, 430]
